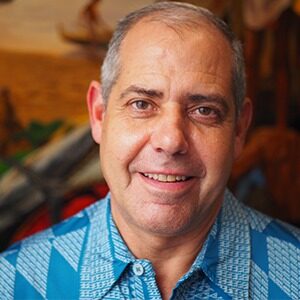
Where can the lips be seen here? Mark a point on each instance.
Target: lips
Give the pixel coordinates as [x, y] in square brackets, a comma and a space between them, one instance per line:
[166, 177]
[160, 184]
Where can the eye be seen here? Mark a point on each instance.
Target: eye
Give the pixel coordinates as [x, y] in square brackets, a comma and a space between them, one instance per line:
[140, 108]
[206, 114]
[141, 105]
[206, 111]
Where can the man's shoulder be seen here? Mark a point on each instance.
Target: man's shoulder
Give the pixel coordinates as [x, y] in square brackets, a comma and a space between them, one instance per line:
[275, 257]
[271, 229]
[33, 263]
[259, 224]
[63, 236]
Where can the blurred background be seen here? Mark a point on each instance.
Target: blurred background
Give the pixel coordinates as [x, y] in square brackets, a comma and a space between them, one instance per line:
[49, 52]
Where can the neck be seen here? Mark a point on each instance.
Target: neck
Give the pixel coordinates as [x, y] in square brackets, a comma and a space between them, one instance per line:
[171, 256]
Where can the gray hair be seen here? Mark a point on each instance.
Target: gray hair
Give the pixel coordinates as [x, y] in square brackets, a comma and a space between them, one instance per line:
[175, 15]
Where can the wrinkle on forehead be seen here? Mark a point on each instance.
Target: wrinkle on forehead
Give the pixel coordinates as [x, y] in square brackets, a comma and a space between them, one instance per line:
[162, 42]
[203, 55]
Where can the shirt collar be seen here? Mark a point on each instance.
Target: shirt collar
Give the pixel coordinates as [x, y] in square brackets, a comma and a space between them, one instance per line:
[224, 258]
[106, 255]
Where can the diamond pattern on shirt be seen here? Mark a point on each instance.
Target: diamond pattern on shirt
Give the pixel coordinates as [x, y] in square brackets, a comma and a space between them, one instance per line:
[232, 273]
[257, 220]
[284, 266]
[120, 249]
[103, 274]
[196, 288]
[98, 238]
[258, 283]
[96, 278]
[97, 270]
[93, 285]
[33, 262]
[7, 278]
[70, 245]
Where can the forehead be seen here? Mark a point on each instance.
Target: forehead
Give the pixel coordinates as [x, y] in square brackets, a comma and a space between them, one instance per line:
[154, 48]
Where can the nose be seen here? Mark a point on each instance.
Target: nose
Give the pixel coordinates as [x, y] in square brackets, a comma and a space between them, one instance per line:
[169, 134]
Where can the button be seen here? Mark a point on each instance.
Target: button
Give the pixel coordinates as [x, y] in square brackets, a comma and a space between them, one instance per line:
[138, 269]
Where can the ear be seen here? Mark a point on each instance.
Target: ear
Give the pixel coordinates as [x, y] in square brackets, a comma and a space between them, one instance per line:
[242, 125]
[96, 109]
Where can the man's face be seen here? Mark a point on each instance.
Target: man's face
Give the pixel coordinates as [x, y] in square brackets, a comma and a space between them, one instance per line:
[168, 136]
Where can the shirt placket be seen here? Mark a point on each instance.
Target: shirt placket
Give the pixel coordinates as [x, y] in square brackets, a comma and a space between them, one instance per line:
[143, 279]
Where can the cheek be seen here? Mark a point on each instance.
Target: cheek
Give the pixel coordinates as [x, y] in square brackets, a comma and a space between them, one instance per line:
[123, 141]
[219, 152]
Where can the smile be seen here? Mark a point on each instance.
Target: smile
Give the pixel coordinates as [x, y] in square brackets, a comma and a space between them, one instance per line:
[166, 177]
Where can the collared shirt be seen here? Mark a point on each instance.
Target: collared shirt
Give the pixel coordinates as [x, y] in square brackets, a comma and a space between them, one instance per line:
[245, 256]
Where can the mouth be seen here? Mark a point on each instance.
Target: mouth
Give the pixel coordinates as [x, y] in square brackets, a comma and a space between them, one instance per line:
[166, 178]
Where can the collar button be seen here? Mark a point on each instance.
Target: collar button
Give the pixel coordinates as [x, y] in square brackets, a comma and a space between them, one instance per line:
[138, 269]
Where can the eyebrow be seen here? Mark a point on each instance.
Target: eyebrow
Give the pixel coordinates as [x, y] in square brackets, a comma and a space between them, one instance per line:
[142, 91]
[214, 98]
[196, 98]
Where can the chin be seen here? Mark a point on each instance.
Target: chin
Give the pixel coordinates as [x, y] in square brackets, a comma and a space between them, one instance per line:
[166, 221]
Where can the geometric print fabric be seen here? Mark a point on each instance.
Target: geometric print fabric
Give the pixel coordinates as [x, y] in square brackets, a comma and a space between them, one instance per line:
[258, 284]
[284, 267]
[246, 256]
[69, 246]
[7, 286]
[235, 249]
[33, 263]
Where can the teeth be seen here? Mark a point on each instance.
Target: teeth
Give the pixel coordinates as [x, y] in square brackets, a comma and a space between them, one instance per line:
[166, 178]
[162, 177]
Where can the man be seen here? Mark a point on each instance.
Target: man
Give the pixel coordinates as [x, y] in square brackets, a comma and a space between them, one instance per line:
[171, 118]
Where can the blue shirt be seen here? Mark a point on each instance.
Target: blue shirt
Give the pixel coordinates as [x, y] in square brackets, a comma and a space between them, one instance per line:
[245, 256]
